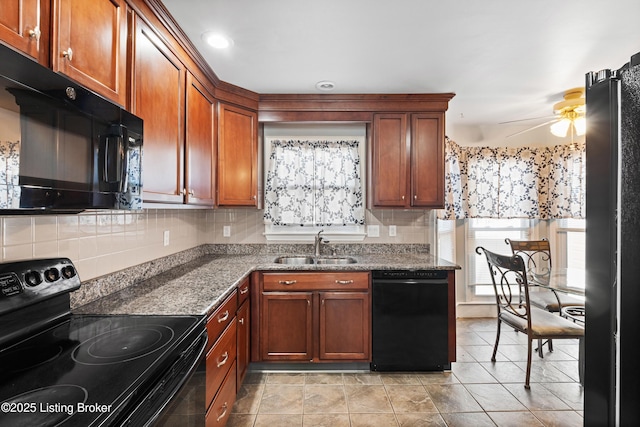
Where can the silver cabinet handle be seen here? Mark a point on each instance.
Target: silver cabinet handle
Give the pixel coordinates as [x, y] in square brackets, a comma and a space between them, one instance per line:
[35, 33]
[68, 54]
[225, 357]
[244, 291]
[224, 316]
[241, 321]
[225, 406]
[344, 282]
[287, 282]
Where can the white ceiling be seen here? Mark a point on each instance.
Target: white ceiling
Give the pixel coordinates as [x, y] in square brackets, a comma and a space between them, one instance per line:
[504, 59]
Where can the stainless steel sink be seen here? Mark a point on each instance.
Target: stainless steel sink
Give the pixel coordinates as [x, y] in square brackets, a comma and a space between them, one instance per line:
[294, 260]
[336, 260]
[300, 260]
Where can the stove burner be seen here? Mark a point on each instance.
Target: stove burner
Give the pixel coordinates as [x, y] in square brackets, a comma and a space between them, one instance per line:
[123, 344]
[28, 357]
[51, 406]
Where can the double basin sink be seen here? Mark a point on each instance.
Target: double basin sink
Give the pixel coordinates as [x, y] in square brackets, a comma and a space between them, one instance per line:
[302, 260]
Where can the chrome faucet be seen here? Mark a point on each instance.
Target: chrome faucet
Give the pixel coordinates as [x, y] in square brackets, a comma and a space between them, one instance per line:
[318, 240]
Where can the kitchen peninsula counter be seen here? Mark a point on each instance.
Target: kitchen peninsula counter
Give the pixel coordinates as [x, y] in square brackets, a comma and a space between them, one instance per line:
[199, 286]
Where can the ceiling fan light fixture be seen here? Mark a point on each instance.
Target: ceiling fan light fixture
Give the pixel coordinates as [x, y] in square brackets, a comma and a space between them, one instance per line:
[581, 126]
[560, 128]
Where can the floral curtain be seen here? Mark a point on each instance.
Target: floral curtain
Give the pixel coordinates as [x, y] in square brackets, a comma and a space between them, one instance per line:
[524, 182]
[314, 183]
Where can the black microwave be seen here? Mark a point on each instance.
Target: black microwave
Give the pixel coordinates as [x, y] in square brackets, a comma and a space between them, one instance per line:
[63, 148]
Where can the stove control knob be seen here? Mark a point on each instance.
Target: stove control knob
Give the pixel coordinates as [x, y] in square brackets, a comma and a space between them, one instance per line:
[51, 274]
[68, 272]
[32, 278]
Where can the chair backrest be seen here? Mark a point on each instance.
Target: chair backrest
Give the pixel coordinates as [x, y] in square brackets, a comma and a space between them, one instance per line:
[509, 277]
[535, 253]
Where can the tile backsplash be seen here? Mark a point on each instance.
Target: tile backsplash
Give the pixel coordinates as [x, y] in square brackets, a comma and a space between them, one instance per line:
[102, 242]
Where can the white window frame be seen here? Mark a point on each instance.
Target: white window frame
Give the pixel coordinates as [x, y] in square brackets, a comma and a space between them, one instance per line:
[335, 132]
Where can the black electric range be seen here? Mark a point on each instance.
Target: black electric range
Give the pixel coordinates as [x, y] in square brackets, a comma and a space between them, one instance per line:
[57, 368]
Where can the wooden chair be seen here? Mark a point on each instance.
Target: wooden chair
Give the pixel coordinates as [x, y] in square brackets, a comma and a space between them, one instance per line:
[509, 277]
[537, 257]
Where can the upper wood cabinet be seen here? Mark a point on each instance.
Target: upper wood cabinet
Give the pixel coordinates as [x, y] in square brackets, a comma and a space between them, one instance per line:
[408, 160]
[159, 99]
[89, 44]
[237, 156]
[200, 144]
[24, 24]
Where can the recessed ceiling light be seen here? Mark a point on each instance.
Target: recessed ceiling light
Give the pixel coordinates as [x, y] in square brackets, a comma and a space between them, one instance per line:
[325, 85]
[217, 40]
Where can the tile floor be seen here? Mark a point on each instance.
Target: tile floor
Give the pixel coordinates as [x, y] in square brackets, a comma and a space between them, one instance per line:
[476, 392]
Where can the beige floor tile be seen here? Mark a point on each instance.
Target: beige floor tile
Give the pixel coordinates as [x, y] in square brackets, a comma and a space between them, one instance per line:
[285, 378]
[325, 420]
[367, 399]
[362, 379]
[324, 399]
[324, 378]
[248, 399]
[279, 420]
[494, 397]
[399, 378]
[515, 419]
[560, 418]
[410, 398]
[452, 398]
[420, 420]
[373, 420]
[467, 419]
[282, 399]
[241, 420]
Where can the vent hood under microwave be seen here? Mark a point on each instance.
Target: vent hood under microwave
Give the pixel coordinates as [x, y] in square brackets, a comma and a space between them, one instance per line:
[62, 147]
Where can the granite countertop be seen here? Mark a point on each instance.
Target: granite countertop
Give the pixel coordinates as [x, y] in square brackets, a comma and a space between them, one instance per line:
[200, 286]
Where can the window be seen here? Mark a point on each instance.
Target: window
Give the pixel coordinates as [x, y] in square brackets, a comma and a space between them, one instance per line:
[570, 243]
[312, 184]
[490, 234]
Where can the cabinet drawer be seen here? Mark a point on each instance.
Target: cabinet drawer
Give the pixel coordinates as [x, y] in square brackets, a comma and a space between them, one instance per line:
[220, 409]
[221, 356]
[339, 280]
[243, 291]
[221, 318]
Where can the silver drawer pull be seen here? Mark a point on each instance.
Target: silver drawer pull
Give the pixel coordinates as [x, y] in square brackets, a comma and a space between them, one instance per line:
[241, 321]
[225, 357]
[287, 282]
[224, 411]
[344, 282]
[224, 317]
[244, 291]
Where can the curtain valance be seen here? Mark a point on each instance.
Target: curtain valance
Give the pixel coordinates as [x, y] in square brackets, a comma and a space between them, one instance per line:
[523, 182]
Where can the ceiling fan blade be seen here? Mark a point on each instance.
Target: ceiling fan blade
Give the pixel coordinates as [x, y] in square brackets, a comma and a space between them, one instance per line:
[525, 120]
[532, 128]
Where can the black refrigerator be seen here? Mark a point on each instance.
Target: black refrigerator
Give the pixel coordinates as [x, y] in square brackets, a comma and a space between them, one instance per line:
[612, 368]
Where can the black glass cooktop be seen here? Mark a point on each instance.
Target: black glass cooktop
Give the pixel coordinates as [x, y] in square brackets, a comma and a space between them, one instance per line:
[87, 369]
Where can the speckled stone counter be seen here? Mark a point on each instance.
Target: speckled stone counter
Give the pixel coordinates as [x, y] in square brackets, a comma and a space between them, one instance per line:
[198, 286]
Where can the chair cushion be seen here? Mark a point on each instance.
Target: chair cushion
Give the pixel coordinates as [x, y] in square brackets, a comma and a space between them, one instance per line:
[544, 324]
[544, 298]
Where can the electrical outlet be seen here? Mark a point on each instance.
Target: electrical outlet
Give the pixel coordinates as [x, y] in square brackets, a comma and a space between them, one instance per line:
[392, 231]
[373, 231]
[165, 237]
[226, 231]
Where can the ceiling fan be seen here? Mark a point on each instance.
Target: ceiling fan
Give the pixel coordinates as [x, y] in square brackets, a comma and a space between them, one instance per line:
[568, 116]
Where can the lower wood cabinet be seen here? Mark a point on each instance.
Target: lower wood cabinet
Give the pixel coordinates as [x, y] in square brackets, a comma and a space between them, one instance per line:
[220, 409]
[315, 317]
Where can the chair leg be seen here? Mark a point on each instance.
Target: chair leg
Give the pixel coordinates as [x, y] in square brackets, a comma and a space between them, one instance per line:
[495, 347]
[550, 345]
[526, 381]
[540, 344]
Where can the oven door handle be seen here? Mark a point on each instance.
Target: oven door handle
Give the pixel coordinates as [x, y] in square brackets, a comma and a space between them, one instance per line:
[158, 399]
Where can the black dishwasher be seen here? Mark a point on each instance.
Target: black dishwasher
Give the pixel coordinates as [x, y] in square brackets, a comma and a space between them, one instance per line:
[410, 320]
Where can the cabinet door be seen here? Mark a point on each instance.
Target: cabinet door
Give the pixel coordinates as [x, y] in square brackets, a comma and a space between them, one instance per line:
[389, 175]
[24, 25]
[244, 355]
[345, 325]
[89, 44]
[286, 326]
[158, 98]
[237, 157]
[200, 143]
[427, 160]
